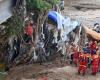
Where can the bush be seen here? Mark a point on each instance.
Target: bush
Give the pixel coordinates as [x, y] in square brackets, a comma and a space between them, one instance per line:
[38, 4]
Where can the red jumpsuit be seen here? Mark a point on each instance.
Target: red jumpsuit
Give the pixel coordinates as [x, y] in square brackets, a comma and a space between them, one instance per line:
[83, 62]
[76, 57]
[95, 63]
[93, 46]
[99, 64]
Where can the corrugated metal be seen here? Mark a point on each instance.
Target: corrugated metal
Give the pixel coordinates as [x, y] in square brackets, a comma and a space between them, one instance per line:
[5, 11]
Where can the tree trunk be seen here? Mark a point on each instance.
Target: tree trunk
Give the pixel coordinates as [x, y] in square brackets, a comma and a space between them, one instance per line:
[39, 29]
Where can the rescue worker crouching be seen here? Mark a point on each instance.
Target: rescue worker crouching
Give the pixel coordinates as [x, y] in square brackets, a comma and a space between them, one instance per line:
[95, 62]
[83, 63]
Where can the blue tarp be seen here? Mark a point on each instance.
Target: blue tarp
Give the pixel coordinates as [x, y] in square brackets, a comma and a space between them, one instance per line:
[52, 15]
[57, 17]
[63, 22]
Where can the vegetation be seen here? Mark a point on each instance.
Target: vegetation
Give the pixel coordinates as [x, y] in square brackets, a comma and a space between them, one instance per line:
[15, 23]
[15, 26]
[38, 4]
[41, 6]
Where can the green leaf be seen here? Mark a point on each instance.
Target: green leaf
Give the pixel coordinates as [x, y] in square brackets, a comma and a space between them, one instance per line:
[38, 4]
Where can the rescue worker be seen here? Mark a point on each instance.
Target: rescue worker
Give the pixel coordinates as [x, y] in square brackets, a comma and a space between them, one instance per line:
[98, 53]
[93, 45]
[28, 36]
[76, 57]
[88, 55]
[99, 62]
[95, 62]
[83, 62]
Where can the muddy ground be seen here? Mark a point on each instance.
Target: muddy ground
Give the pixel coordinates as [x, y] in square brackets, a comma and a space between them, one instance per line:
[87, 12]
[58, 69]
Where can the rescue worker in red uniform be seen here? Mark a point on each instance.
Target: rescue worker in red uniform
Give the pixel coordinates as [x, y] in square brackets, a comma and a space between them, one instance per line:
[83, 63]
[93, 46]
[99, 62]
[88, 55]
[95, 63]
[28, 33]
[76, 57]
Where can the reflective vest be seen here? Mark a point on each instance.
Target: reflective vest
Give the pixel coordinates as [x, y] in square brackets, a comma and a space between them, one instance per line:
[95, 56]
[95, 59]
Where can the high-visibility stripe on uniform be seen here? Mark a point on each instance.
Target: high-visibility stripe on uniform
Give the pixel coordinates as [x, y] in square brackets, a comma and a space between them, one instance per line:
[83, 65]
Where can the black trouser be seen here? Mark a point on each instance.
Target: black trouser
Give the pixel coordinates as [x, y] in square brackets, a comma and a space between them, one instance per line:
[27, 38]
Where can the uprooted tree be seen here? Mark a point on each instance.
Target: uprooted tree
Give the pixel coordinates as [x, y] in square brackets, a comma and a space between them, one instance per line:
[16, 23]
[40, 9]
